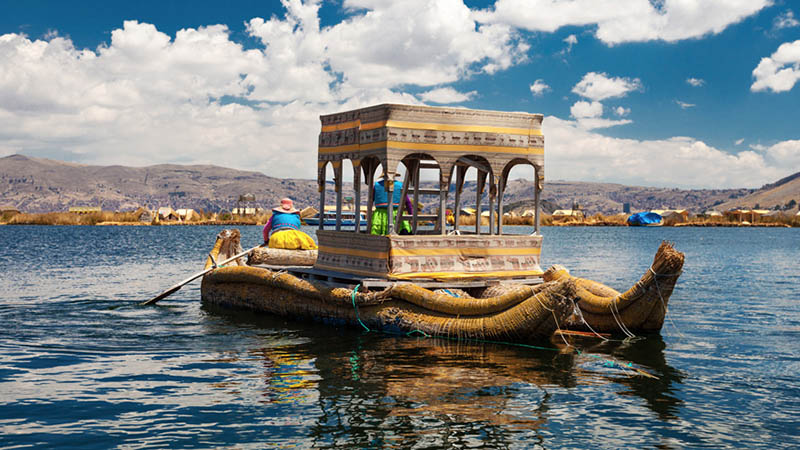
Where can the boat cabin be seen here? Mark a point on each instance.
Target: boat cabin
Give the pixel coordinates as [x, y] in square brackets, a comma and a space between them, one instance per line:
[446, 143]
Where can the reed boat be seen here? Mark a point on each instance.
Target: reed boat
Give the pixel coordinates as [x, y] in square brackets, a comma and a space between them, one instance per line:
[439, 280]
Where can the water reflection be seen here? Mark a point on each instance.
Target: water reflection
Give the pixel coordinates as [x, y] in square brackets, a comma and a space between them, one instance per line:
[648, 354]
[376, 389]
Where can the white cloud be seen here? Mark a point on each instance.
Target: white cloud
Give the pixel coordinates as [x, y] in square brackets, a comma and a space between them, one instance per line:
[447, 95]
[637, 21]
[685, 105]
[570, 41]
[780, 71]
[785, 154]
[146, 97]
[583, 110]
[739, 141]
[420, 42]
[695, 82]
[785, 20]
[539, 87]
[573, 152]
[199, 97]
[598, 86]
[589, 115]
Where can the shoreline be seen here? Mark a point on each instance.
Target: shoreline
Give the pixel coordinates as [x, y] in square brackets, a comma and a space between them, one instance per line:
[568, 224]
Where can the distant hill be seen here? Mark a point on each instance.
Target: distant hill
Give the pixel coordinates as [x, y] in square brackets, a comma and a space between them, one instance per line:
[40, 185]
[783, 194]
[37, 185]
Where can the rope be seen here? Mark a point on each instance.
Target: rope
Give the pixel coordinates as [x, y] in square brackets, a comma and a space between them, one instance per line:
[663, 304]
[622, 326]
[578, 312]
[355, 291]
[450, 293]
[275, 275]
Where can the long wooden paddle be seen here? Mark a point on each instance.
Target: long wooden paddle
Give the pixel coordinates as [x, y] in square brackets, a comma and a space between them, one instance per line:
[175, 288]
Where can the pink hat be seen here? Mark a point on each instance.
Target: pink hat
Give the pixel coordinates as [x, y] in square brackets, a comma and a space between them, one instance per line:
[287, 206]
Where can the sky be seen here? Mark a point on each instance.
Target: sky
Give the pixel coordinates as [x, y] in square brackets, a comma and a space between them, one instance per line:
[668, 93]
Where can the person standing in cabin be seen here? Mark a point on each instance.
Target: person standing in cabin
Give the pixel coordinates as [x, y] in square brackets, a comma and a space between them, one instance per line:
[380, 216]
[283, 229]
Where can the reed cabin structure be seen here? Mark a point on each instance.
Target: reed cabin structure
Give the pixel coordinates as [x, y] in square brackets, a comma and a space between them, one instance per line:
[449, 141]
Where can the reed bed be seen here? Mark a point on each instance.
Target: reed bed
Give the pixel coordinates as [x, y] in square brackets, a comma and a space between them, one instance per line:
[63, 218]
[203, 218]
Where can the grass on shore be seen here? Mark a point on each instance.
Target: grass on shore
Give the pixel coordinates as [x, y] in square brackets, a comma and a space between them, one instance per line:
[133, 218]
[621, 220]
[125, 218]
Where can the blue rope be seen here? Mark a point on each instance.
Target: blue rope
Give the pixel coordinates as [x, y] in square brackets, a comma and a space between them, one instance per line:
[355, 291]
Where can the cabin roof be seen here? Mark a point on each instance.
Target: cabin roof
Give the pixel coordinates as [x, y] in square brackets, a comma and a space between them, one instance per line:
[389, 133]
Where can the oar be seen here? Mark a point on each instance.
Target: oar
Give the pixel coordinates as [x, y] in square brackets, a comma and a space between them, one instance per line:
[175, 288]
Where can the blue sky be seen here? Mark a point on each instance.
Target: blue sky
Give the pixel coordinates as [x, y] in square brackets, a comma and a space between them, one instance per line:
[662, 93]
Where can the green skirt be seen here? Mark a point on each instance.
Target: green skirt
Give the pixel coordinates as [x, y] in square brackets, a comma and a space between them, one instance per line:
[380, 222]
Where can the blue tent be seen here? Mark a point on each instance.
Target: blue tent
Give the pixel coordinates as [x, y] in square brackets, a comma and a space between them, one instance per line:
[644, 219]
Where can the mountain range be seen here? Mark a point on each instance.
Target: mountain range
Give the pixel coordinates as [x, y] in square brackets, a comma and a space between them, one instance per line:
[43, 185]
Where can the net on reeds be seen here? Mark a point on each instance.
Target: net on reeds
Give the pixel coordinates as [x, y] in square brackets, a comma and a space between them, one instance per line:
[642, 308]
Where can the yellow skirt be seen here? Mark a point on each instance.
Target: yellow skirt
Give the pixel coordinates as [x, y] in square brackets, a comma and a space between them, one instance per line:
[291, 240]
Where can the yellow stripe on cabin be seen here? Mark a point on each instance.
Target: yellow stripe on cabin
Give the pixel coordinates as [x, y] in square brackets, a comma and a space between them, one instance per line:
[451, 127]
[367, 273]
[435, 147]
[342, 126]
[431, 127]
[466, 252]
[466, 275]
[353, 252]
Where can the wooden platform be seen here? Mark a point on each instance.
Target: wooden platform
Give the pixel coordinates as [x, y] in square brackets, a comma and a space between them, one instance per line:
[350, 280]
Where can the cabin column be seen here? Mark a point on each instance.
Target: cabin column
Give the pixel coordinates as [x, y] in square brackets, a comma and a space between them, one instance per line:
[370, 168]
[357, 193]
[321, 188]
[492, 195]
[501, 188]
[337, 179]
[402, 206]
[536, 190]
[442, 204]
[460, 171]
[388, 184]
[481, 181]
[416, 168]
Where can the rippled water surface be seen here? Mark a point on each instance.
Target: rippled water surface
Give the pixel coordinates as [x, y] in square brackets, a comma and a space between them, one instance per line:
[82, 365]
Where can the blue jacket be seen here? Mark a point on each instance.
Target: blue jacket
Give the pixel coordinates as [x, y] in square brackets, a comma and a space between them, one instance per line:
[285, 221]
[381, 196]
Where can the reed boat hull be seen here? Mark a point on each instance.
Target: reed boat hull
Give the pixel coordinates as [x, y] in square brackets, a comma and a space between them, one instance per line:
[513, 312]
[521, 314]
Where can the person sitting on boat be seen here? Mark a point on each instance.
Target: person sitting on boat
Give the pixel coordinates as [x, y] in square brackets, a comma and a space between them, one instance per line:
[380, 217]
[283, 229]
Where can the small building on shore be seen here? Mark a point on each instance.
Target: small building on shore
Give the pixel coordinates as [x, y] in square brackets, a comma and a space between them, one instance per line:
[187, 214]
[564, 214]
[85, 209]
[167, 213]
[745, 215]
[672, 216]
[8, 211]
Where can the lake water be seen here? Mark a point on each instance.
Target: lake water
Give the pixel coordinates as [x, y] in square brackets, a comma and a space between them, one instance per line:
[82, 365]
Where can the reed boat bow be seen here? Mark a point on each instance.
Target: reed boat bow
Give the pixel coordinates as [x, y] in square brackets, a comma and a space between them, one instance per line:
[640, 309]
